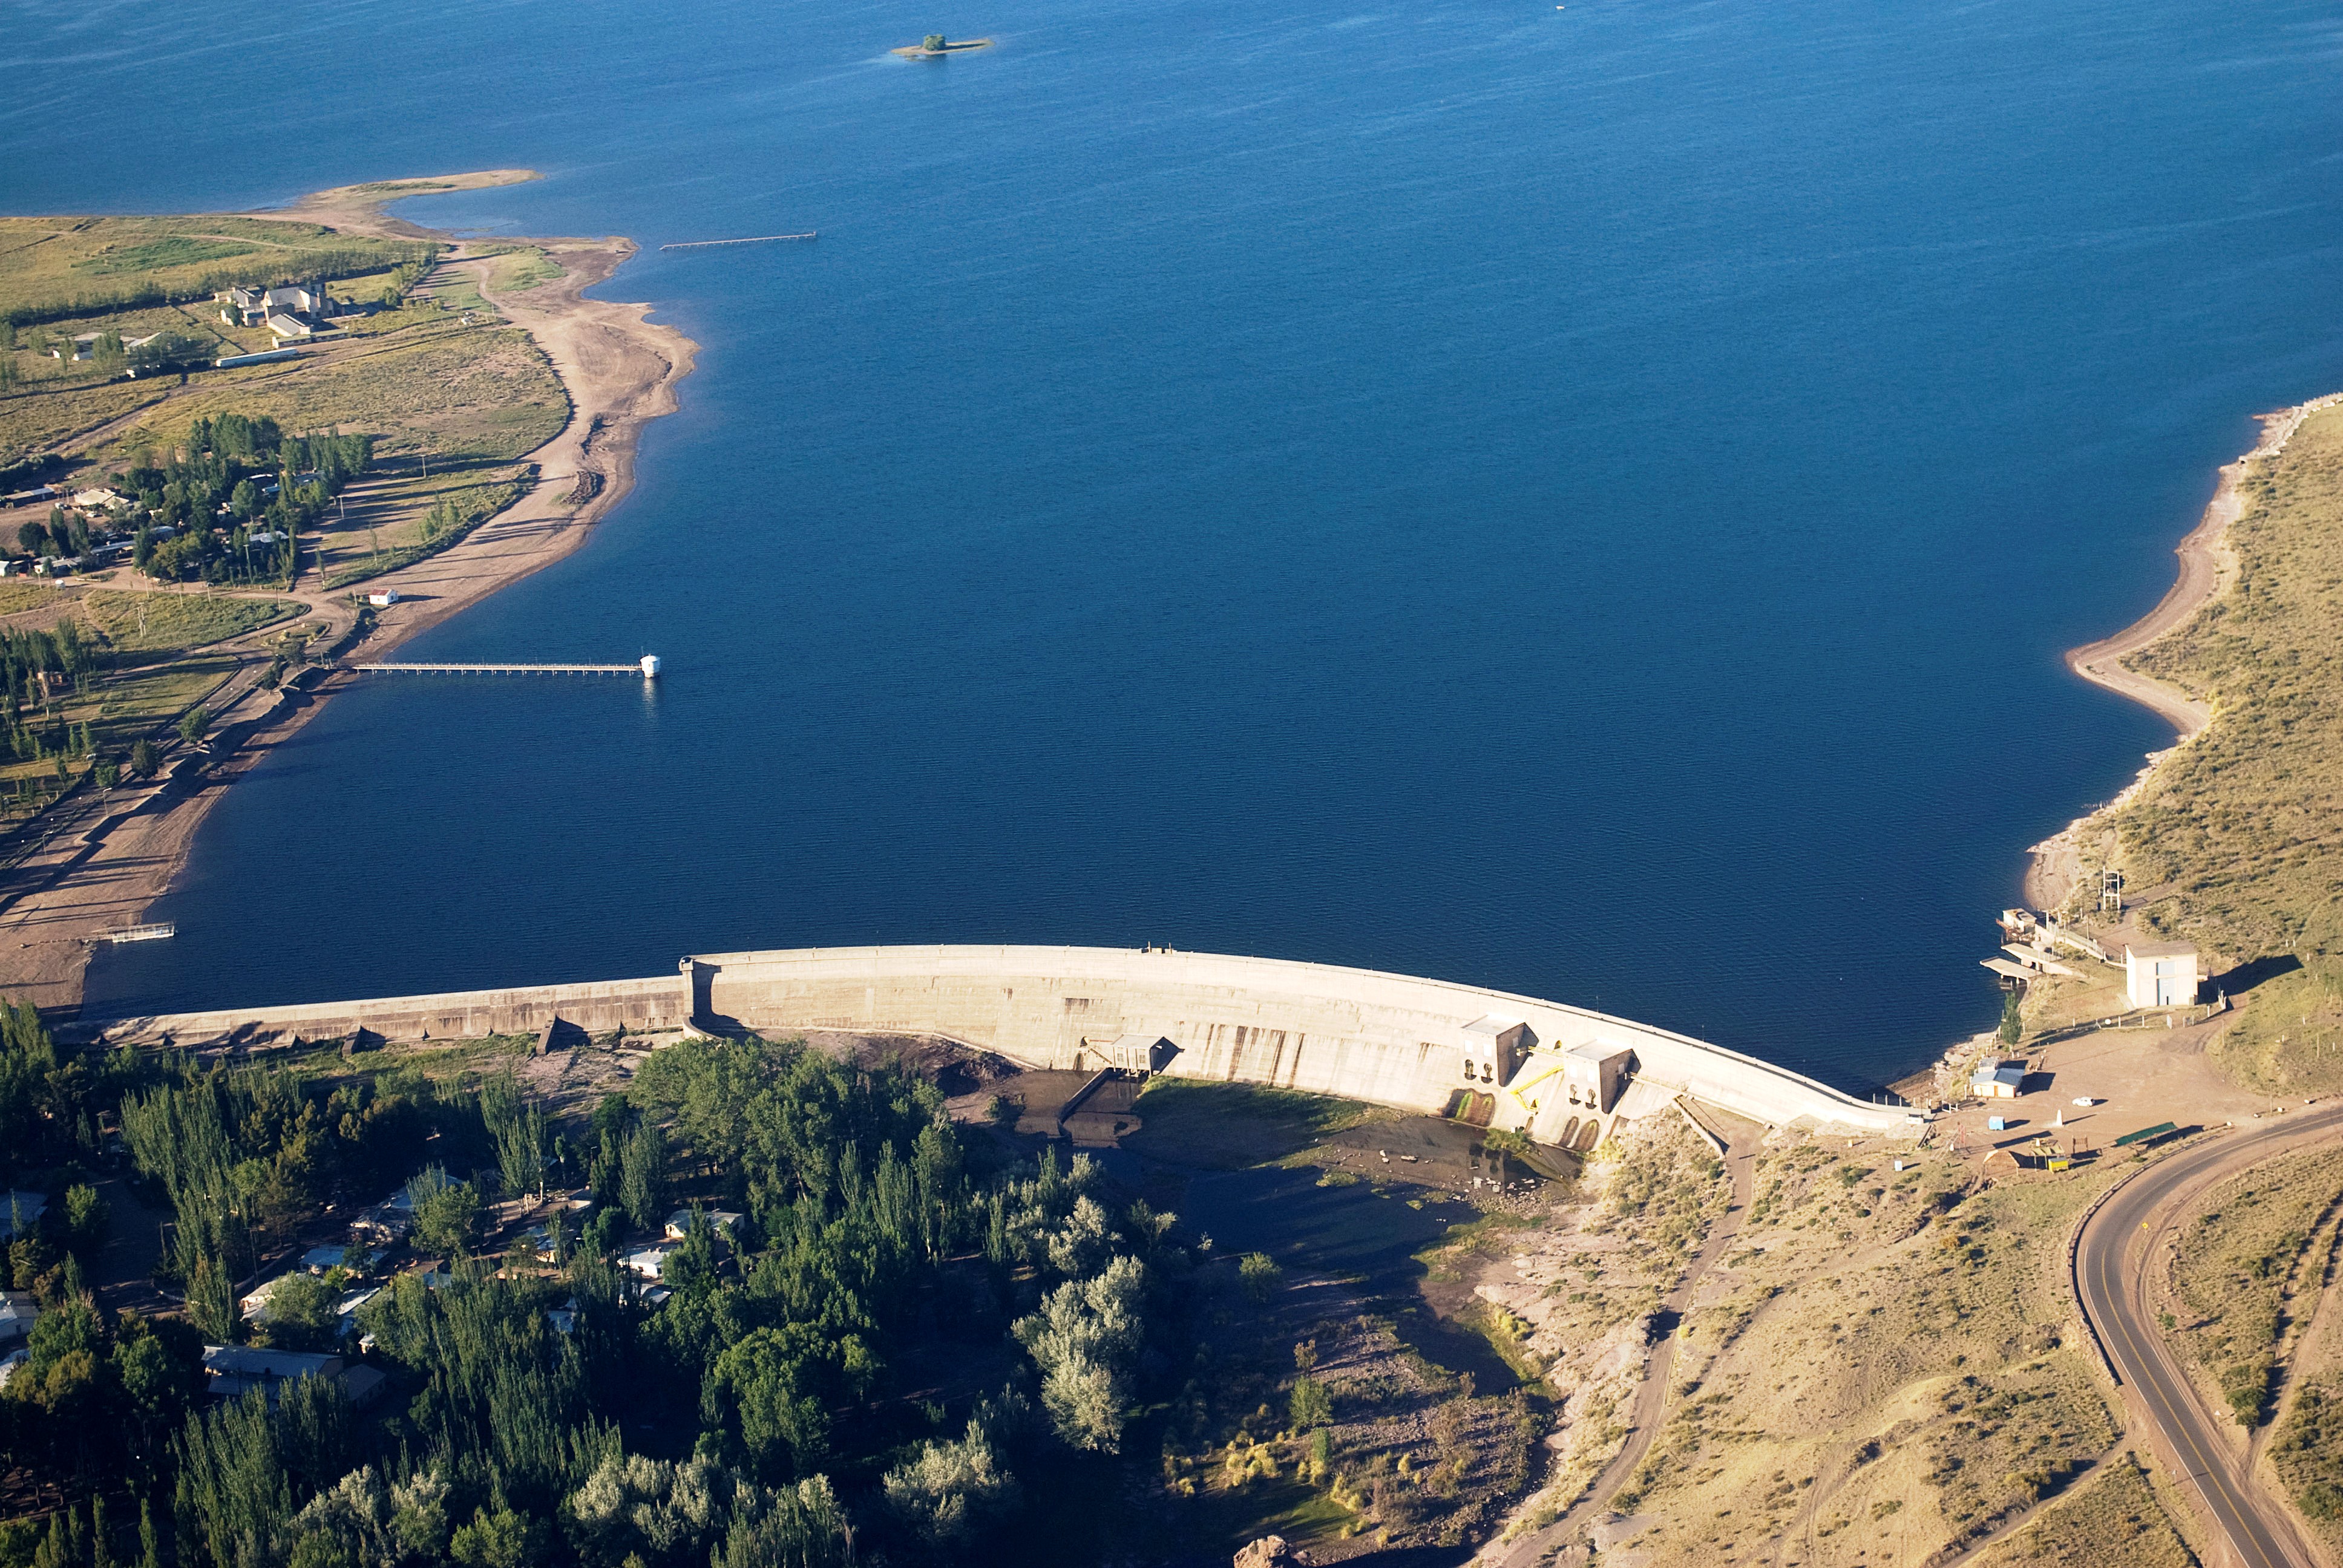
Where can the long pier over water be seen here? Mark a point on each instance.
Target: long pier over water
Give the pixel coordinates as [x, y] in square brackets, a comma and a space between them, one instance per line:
[648, 666]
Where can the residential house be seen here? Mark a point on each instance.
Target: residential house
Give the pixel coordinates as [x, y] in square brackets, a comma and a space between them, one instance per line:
[231, 1372]
[19, 1212]
[253, 307]
[17, 1312]
[678, 1225]
[648, 1262]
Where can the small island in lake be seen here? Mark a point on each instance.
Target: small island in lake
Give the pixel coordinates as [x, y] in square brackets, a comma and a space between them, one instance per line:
[935, 47]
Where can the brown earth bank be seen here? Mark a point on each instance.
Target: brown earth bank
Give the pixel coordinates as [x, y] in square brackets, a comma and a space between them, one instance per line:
[98, 860]
[2206, 567]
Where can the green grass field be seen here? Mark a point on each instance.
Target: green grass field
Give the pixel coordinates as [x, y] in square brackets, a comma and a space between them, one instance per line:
[166, 622]
[524, 269]
[53, 264]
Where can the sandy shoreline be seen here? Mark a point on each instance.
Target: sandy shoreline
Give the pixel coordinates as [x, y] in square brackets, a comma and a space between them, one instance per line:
[2206, 568]
[119, 851]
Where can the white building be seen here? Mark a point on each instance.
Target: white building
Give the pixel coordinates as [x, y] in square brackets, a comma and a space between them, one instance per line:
[1999, 1081]
[2160, 974]
[255, 1305]
[649, 1260]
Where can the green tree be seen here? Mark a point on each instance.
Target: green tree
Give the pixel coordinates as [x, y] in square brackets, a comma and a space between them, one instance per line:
[193, 723]
[246, 1467]
[1309, 1405]
[446, 1211]
[301, 1314]
[504, 1539]
[799, 1526]
[211, 1300]
[2013, 1017]
[692, 1265]
[86, 1218]
[1086, 1339]
[1259, 1277]
[950, 1492]
[933, 42]
[777, 1385]
[142, 758]
[642, 1176]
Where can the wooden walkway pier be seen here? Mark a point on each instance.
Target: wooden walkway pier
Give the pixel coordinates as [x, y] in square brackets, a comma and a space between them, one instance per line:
[648, 666]
[753, 239]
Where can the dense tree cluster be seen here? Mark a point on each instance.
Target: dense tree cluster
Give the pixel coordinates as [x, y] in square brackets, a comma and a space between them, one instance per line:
[771, 1398]
[226, 506]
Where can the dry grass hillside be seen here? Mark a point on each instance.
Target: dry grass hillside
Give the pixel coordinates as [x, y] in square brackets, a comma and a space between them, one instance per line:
[2250, 1262]
[2116, 1519]
[1569, 1300]
[1881, 1371]
[2241, 831]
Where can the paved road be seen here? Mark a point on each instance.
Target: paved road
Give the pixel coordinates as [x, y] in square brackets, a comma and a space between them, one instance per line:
[2109, 1269]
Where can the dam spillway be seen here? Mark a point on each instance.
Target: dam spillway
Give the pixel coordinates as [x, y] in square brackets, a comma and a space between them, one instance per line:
[1363, 1034]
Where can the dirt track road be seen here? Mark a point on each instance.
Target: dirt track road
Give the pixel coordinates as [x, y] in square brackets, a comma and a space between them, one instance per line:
[2110, 1260]
[1741, 1142]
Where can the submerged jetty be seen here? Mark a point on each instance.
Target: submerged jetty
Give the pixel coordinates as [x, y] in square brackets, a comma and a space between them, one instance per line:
[752, 239]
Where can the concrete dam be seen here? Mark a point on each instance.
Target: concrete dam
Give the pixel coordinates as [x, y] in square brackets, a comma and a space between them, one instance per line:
[1559, 1074]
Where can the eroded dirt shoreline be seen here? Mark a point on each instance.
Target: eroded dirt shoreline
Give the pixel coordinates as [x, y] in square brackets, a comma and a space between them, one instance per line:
[2206, 568]
[113, 852]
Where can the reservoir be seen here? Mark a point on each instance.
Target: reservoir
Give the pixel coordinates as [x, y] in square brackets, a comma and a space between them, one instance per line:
[1587, 502]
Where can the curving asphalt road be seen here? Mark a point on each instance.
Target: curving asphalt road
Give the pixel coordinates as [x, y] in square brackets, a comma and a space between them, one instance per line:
[2108, 1276]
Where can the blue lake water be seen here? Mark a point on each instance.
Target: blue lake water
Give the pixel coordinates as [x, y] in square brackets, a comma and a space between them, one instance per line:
[1586, 501]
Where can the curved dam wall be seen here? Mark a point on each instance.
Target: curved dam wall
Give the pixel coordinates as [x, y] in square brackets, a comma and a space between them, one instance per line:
[1392, 1039]
[646, 1006]
[1395, 1040]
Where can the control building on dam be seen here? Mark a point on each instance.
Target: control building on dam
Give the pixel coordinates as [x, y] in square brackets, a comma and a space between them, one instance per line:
[1560, 1074]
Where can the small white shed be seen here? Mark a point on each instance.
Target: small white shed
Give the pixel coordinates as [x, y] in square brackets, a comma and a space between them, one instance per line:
[2160, 974]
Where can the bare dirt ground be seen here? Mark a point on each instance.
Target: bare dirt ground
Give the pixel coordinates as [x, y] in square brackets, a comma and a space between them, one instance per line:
[619, 371]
